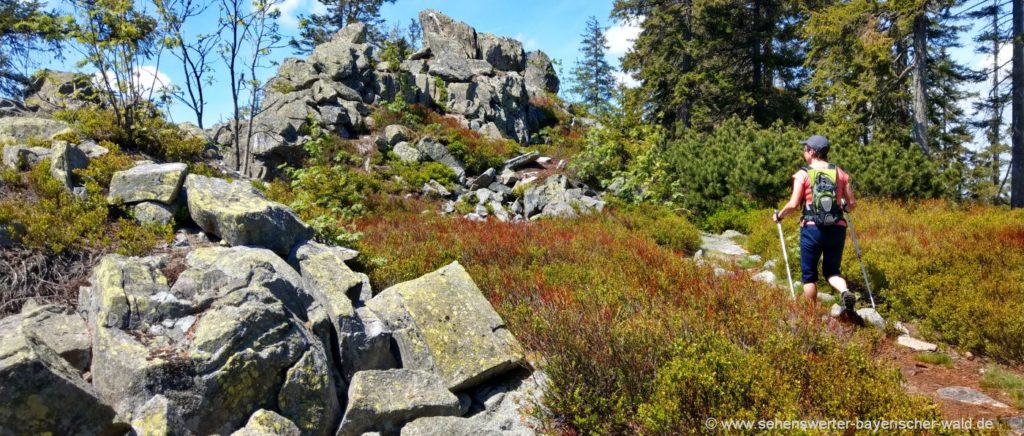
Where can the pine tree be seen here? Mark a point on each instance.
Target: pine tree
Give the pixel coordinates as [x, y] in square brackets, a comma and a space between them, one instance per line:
[593, 82]
[702, 61]
[992, 36]
[317, 29]
[26, 32]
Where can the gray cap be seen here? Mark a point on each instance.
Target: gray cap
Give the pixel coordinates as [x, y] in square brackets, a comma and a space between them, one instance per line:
[816, 142]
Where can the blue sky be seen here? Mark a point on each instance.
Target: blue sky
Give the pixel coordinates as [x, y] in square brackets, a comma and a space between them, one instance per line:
[553, 26]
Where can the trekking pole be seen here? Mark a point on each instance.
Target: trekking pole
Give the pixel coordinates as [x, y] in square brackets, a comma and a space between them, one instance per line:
[785, 256]
[856, 248]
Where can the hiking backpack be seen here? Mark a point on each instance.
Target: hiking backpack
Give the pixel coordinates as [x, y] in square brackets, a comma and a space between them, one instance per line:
[824, 208]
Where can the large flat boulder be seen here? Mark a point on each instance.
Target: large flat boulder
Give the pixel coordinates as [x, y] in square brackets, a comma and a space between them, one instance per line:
[21, 129]
[227, 338]
[240, 215]
[383, 401]
[22, 157]
[147, 182]
[443, 324]
[40, 392]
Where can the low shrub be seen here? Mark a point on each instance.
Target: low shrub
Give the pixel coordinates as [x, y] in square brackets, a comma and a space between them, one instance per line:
[954, 269]
[477, 152]
[935, 358]
[636, 338]
[662, 225]
[152, 133]
[411, 176]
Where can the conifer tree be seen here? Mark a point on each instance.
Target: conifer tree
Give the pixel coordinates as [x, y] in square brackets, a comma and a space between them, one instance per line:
[26, 31]
[593, 82]
[316, 29]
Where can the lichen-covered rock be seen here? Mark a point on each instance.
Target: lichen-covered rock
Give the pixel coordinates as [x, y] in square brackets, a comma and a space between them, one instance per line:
[153, 212]
[61, 330]
[267, 423]
[147, 182]
[443, 324]
[458, 69]
[407, 153]
[40, 393]
[385, 400]
[396, 133]
[64, 159]
[226, 337]
[54, 90]
[158, 417]
[240, 215]
[555, 198]
[21, 129]
[21, 157]
[448, 426]
[437, 152]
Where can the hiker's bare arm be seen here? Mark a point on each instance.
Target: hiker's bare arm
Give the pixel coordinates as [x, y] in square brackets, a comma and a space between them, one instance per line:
[851, 203]
[794, 199]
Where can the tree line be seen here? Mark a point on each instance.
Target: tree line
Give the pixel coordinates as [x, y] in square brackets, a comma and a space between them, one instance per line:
[880, 74]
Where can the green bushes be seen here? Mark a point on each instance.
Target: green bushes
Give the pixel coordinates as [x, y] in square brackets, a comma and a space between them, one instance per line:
[52, 219]
[661, 225]
[953, 269]
[634, 337]
[152, 134]
[477, 153]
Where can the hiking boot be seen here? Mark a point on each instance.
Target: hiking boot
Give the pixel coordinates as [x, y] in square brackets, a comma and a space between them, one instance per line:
[848, 301]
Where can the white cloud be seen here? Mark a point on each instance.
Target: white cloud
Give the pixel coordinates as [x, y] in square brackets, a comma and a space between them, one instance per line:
[149, 81]
[289, 12]
[622, 35]
[528, 43]
[625, 79]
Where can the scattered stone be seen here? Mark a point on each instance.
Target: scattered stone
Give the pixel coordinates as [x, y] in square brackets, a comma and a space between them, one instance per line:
[93, 150]
[434, 189]
[449, 426]
[396, 133]
[721, 247]
[826, 298]
[153, 212]
[385, 400]
[267, 423]
[442, 323]
[147, 182]
[437, 152]
[508, 177]
[836, 311]
[521, 160]
[765, 277]
[22, 158]
[915, 344]
[157, 417]
[240, 215]
[483, 180]
[61, 330]
[871, 317]
[901, 328]
[407, 153]
[967, 395]
[544, 160]
[1016, 424]
[64, 159]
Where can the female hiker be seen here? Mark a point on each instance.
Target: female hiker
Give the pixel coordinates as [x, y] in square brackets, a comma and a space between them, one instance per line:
[818, 191]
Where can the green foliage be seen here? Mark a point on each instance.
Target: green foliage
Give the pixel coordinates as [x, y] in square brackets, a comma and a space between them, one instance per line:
[27, 30]
[413, 175]
[934, 358]
[999, 378]
[661, 225]
[593, 81]
[730, 219]
[317, 28]
[442, 94]
[954, 269]
[636, 338]
[393, 54]
[152, 133]
[412, 116]
[54, 220]
[477, 152]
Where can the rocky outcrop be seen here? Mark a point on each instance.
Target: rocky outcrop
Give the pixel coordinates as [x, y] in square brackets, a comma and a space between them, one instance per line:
[54, 90]
[240, 215]
[64, 159]
[18, 130]
[485, 81]
[24, 157]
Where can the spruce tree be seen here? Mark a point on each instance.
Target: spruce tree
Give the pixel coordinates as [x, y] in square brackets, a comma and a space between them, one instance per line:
[593, 82]
[316, 29]
[26, 32]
